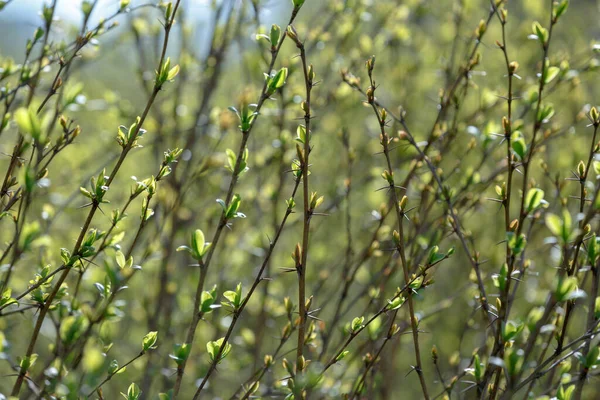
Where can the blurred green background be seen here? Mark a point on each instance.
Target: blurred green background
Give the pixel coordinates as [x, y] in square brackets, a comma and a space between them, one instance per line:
[419, 47]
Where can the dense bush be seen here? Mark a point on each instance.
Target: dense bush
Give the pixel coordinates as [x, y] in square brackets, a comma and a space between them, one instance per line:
[430, 166]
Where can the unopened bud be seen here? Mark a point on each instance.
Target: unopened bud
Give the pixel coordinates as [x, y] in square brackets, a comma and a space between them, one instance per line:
[480, 30]
[370, 94]
[503, 14]
[286, 331]
[301, 363]
[268, 360]
[594, 116]
[506, 125]
[57, 84]
[475, 60]
[403, 202]
[396, 237]
[288, 367]
[388, 176]
[311, 74]
[297, 254]
[42, 174]
[305, 107]
[292, 34]
[581, 169]
[300, 153]
[308, 302]
[289, 306]
[370, 64]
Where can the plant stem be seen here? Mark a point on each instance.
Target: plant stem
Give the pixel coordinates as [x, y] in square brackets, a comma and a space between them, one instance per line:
[110, 376]
[95, 205]
[223, 219]
[400, 244]
[237, 313]
[307, 214]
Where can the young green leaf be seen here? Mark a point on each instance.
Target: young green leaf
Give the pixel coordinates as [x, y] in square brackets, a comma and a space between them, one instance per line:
[559, 9]
[518, 144]
[274, 35]
[149, 341]
[214, 347]
[592, 253]
[357, 323]
[29, 123]
[234, 297]
[276, 81]
[567, 289]
[534, 199]
[181, 352]
[540, 32]
[207, 300]
[133, 392]
[298, 3]
[6, 298]
[113, 367]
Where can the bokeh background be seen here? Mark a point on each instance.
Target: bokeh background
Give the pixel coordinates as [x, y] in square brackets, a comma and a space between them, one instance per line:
[419, 47]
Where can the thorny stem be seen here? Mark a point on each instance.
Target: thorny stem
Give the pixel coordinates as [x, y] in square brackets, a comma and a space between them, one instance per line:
[382, 310]
[164, 299]
[553, 361]
[450, 206]
[110, 376]
[360, 384]
[281, 170]
[18, 151]
[223, 219]
[463, 74]
[258, 374]
[347, 270]
[591, 316]
[38, 325]
[301, 268]
[522, 213]
[548, 308]
[498, 349]
[237, 313]
[400, 217]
